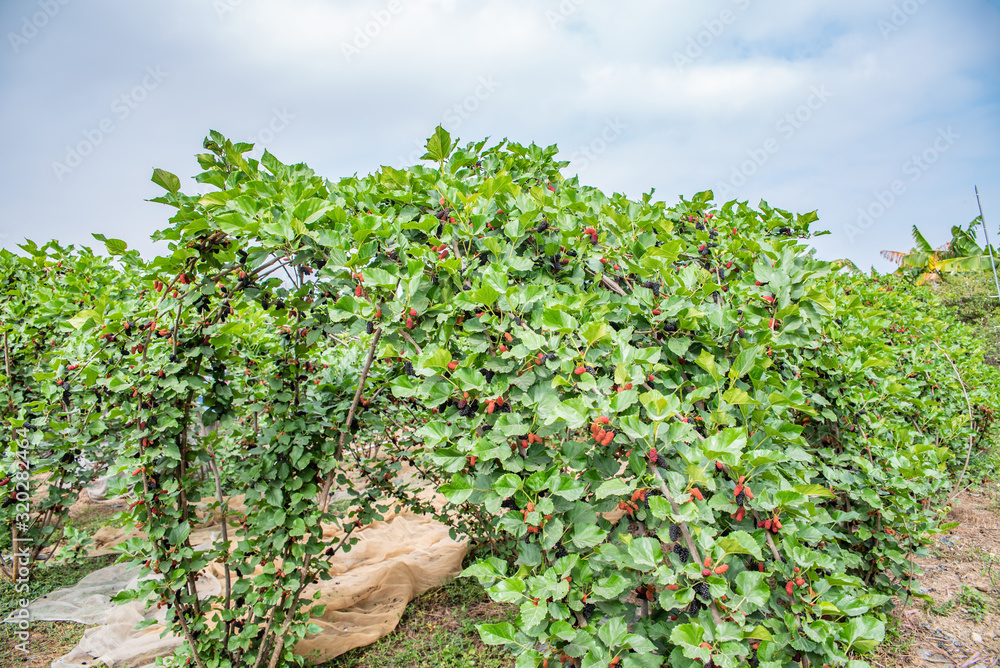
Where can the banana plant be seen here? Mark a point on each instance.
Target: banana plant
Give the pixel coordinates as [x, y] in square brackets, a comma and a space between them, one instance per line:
[962, 254]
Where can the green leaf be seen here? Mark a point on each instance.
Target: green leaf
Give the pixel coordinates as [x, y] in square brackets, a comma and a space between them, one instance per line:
[740, 542]
[814, 490]
[510, 590]
[459, 489]
[737, 397]
[744, 362]
[507, 484]
[645, 552]
[81, 318]
[658, 406]
[115, 246]
[566, 487]
[490, 568]
[611, 586]
[532, 613]
[166, 180]
[707, 362]
[493, 185]
[311, 210]
[485, 295]
[438, 146]
[588, 535]
[613, 487]
[752, 589]
[759, 633]
[689, 638]
[497, 634]
[595, 331]
[613, 632]
[439, 359]
[568, 411]
[559, 321]
[679, 345]
[863, 633]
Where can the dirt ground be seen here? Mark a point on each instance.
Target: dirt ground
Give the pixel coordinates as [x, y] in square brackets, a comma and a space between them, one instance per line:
[961, 628]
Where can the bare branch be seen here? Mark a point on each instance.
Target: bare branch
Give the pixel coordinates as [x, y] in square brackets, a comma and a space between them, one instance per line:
[972, 425]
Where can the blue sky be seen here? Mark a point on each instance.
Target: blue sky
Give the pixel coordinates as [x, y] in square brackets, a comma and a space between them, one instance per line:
[879, 114]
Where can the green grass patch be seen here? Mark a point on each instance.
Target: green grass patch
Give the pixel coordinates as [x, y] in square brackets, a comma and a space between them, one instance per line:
[438, 630]
[49, 640]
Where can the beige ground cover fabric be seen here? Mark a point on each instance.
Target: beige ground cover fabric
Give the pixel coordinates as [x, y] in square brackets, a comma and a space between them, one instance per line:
[393, 562]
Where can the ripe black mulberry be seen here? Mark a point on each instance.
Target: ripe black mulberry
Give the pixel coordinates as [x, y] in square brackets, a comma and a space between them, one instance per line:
[703, 592]
[675, 532]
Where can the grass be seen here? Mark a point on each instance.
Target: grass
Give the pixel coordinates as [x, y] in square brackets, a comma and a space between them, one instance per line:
[438, 630]
[992, 571]
[974, 604]
[896, 649]
[972, 299]
[941, 609]
[49, 640]
[93, 518]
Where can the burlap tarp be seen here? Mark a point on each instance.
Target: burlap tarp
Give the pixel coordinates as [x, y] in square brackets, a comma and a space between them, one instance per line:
[393, 562]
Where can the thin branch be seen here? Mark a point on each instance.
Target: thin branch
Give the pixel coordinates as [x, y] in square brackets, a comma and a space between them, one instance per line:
[214, 466]
[972, 424]
[186, 630]
[265, 642]
[177, 324]
[609, 284]
[233, 268]
[409, 339]
[692, 548]
[285, 267]
[277, 650]
[350, 414]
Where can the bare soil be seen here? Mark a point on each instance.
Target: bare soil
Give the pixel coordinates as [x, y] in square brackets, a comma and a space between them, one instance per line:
[961, 628]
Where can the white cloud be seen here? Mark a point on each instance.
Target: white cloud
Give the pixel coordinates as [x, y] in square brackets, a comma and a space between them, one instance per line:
[558, 70]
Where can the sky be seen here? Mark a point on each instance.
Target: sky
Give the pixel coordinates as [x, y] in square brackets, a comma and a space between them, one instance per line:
[879, 114]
